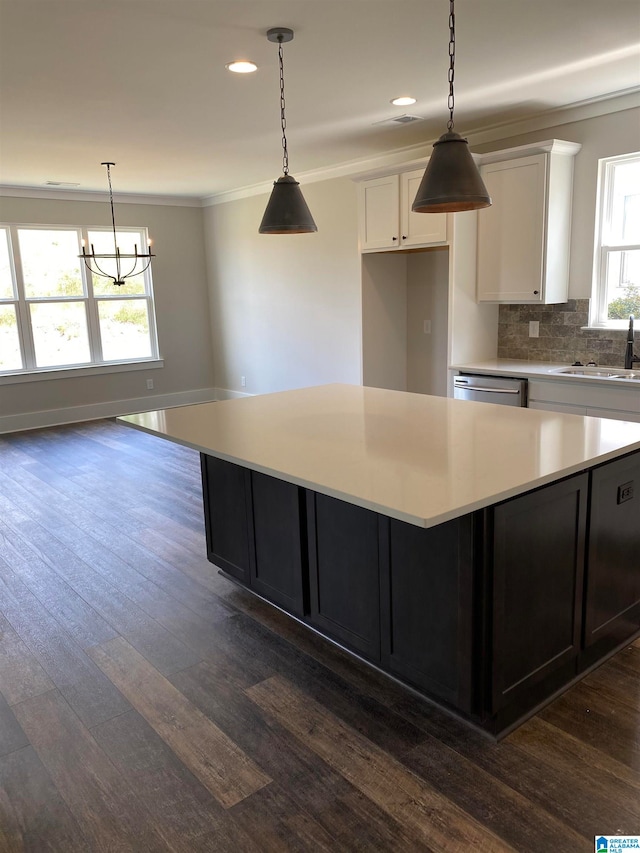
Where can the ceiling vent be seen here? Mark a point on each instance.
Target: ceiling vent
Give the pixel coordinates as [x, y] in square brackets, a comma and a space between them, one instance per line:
[403, 119]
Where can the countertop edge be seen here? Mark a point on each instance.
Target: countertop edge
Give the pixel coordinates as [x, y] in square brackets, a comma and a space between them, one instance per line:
[381, 509]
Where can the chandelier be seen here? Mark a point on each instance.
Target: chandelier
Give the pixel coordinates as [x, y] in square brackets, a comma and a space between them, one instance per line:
[123, 260]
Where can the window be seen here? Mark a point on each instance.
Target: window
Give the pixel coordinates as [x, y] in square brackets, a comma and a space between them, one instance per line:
[55, 314]
[617, 257]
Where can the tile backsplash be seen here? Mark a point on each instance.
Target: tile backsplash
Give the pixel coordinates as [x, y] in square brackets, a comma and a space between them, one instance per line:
[561, 339]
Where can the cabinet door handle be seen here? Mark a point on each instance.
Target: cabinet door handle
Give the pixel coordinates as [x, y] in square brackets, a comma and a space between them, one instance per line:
[394, 238]
[536, 292]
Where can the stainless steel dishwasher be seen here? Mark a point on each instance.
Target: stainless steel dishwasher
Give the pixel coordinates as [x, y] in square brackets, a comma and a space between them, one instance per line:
[490, 389]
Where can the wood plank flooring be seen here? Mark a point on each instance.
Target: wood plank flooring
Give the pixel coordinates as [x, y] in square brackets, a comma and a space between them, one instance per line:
[147, 704]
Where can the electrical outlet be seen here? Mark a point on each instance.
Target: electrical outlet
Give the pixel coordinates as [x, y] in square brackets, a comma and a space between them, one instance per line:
[149, 384]
[625, 492]
[243, 381]
[427, 327]
[534, 328]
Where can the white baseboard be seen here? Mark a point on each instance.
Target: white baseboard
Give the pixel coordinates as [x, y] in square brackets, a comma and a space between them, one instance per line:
[111, 409]
[228, 394]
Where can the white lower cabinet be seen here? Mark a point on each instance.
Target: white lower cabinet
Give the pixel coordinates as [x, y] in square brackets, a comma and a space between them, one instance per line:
[613, 413]
[598, 401]
[548, 406]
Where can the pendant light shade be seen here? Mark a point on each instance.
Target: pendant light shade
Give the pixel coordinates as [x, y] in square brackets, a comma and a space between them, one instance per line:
[451, 181]
[286, 211]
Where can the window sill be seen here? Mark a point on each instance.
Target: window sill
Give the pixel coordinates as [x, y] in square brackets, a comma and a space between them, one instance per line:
[48, 373]
[620, 326]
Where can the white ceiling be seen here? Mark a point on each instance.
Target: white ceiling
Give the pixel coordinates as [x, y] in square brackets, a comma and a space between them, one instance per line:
[143, 82]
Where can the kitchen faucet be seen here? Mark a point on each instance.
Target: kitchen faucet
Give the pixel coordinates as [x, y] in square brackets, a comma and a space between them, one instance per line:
[629, 357]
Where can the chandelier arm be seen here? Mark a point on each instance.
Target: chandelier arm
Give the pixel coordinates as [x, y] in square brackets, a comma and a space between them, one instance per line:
[132, 270]
[98, 271]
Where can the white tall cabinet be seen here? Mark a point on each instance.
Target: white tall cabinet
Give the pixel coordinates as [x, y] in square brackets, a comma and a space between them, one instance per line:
[524, 237]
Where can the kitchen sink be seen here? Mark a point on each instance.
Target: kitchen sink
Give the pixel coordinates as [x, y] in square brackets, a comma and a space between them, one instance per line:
[589, 371]
[600, 372]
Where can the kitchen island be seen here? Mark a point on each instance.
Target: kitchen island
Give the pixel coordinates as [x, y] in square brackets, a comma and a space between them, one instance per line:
[485, 556]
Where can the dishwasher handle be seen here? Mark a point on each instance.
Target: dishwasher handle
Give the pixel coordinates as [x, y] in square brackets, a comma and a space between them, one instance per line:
[491, 390]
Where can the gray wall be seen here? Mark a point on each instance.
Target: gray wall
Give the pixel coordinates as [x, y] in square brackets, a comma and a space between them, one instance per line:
[182, 307]
[285, 309]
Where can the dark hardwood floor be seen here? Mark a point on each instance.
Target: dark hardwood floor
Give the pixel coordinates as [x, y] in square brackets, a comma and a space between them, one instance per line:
[147, 704]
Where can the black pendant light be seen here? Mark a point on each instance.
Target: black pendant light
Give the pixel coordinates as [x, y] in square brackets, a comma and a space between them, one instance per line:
[133, 259]
[286, 211]
[451, 181]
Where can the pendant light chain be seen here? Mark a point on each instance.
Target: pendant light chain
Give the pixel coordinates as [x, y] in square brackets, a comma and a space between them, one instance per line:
[283, 121]
[113, 222]
[452, 61]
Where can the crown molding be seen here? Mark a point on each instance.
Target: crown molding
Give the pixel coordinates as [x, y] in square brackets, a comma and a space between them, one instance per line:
[79, 195]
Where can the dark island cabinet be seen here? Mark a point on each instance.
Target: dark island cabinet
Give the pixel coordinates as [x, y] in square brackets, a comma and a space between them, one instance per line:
[427, 599]
[490, 614]
[277, 548]
[344, 572]
[538, 570]
[612, 593]
[254, 530]
[227, 503]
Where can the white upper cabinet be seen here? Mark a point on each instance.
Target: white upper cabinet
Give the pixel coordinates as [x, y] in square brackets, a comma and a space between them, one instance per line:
[386, 219]
[418, 229]
[524, 237]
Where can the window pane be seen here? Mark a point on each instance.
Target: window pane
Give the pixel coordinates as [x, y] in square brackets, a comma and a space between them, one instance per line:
[6, 279]
[10, 358]
[60, 333]
[124, 327]
[624, 226]
[50, 264]
[102, 242]
[623, 284]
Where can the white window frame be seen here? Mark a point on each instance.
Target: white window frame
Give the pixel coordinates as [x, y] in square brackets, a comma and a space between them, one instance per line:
[598, 318]
[96, 364]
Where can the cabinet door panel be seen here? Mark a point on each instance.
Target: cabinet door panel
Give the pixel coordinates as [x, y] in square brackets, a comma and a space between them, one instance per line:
[418, 229]
[227, 508]
[344, 572]
[430, 602]
[510, 232]
[539, 558]
[380, 213]
[612, 599]
[276, 570]
[614, 414]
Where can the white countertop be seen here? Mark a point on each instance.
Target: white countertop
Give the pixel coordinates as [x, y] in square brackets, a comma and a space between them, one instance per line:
[420, 459]
[521, 368]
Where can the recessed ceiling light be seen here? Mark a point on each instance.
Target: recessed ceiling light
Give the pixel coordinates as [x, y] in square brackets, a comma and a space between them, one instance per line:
[241, 66]
[403, 102]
